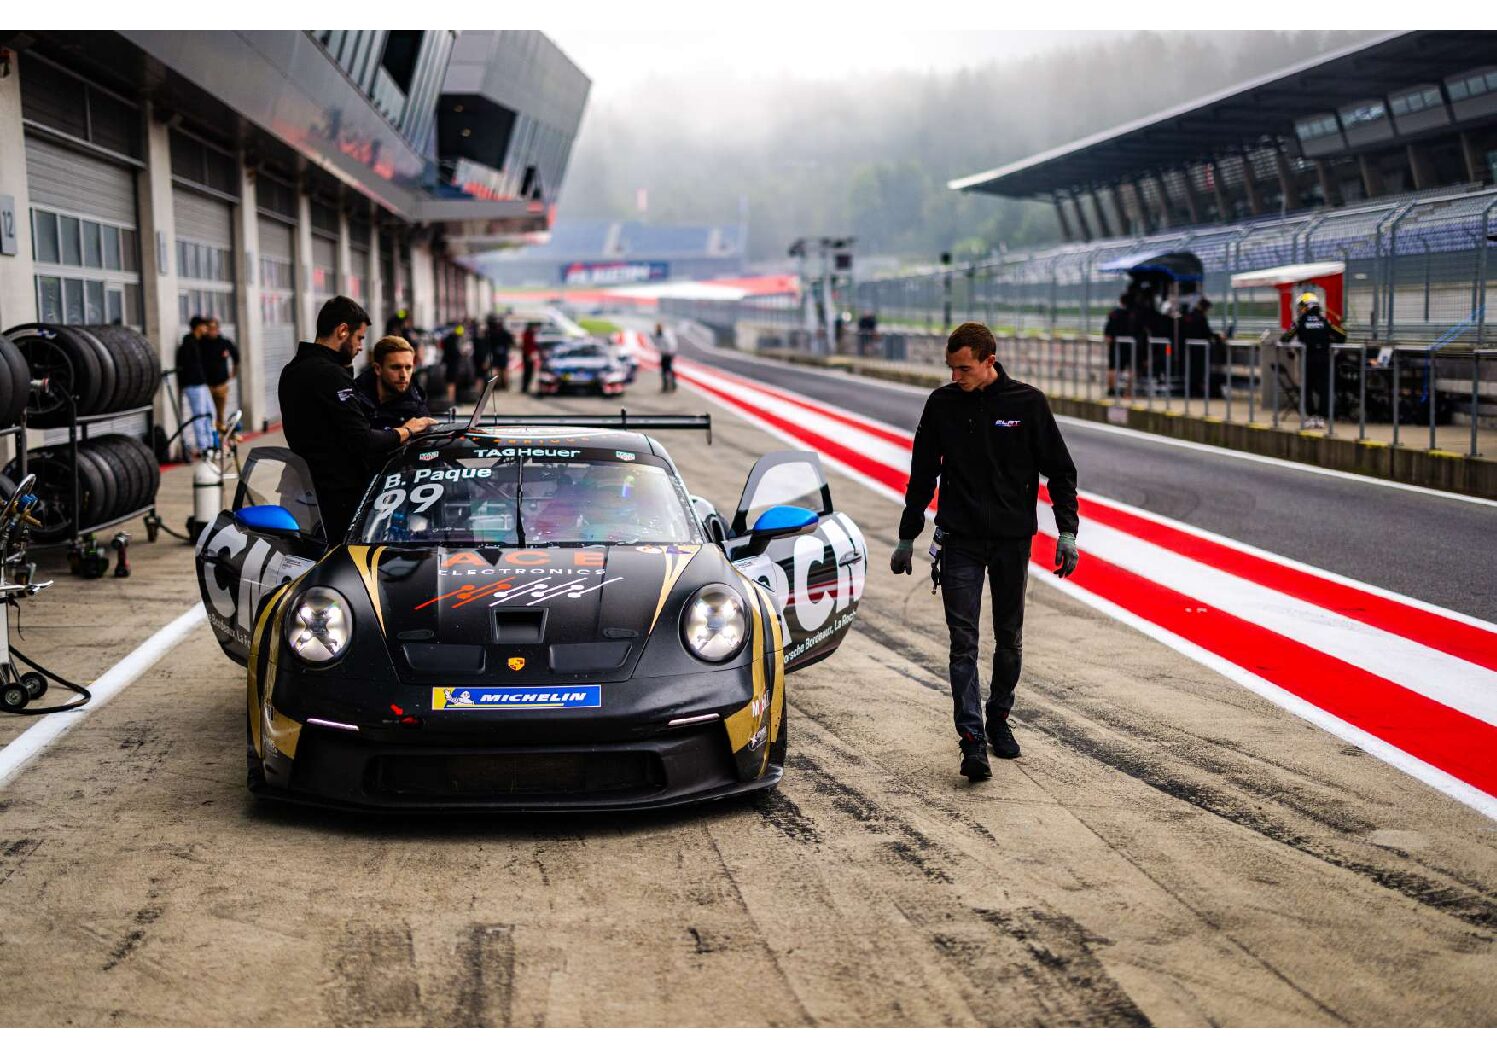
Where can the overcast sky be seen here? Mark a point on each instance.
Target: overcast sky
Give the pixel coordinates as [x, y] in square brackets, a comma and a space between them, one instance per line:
[617, 60]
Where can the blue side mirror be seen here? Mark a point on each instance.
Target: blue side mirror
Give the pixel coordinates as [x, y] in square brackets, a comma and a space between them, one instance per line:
[783, 521]
[268, 518]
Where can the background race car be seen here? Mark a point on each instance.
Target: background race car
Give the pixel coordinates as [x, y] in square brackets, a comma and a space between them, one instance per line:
[582, 367]
[524, 617]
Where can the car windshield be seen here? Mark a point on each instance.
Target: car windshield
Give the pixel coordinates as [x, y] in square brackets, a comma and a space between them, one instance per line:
[464, 499]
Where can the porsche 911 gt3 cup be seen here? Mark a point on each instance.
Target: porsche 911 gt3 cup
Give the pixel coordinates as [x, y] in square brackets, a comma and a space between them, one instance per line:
[526, 616]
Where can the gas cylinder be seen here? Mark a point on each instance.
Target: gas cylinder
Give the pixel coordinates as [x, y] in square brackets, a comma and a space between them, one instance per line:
[207, 492]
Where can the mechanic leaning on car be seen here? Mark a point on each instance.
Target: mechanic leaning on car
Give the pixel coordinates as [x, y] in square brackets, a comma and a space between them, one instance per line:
[324, 421]
[987, 438]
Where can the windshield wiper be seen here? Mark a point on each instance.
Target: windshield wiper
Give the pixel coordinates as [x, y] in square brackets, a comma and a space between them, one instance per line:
[520, 500]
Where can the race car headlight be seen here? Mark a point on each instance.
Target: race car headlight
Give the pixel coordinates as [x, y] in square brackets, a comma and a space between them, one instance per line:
[714, 625]
[321, 626]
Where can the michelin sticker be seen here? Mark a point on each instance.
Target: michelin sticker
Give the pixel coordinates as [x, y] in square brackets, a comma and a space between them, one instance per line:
[589, 696]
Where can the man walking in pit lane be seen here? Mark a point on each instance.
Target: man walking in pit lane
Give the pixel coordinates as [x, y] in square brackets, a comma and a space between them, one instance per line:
[324, 421]
[987, 438]
[198, 437]
[1317, 334]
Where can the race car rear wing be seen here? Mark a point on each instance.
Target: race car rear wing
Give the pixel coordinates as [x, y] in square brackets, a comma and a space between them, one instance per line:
[622, 421]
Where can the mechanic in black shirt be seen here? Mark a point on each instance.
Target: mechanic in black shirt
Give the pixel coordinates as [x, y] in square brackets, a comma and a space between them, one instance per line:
[324, 422]
[387, 388]
[1317, 334]
[987, 438]
[194, 386]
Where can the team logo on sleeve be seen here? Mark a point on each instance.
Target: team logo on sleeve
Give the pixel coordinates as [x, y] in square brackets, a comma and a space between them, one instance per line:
[1007, 424]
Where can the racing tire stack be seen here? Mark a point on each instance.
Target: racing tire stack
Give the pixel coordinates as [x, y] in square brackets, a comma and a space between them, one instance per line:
[104, 368]
[117, 476]
[15, 384]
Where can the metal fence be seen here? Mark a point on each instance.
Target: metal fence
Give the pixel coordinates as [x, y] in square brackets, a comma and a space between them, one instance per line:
[1417, 270]
[1412, 396]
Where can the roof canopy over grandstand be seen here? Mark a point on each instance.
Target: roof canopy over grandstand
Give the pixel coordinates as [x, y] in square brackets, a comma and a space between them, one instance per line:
[1408, 111]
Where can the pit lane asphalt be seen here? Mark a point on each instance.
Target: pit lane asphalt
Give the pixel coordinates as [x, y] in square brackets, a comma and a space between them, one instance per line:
[1428, 547]
[1171, 849]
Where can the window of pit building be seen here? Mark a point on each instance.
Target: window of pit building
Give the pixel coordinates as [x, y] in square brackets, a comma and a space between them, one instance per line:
[87, 270]
[1475, 83]
[1416, 100]
[1363, 113]
[1317, 127]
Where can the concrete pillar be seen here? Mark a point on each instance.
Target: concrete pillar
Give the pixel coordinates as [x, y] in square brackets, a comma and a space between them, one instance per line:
[1328, 190]
[1115, 196]
[1082, 225]
[1250, 185]
[1372, 180]
[1476, 172]
[345, 260]
[252, 367]
[423, 286]
[301, 245]
[1060, 215]
[470, 287]
[158, 249]
[1192, 206]
[1287, 184]
[1104, 226]
[374, 281]
[1218, 188]
[17, 276]
[1420, 168]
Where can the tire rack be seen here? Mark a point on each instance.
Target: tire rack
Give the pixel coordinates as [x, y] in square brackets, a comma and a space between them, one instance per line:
[78, 430]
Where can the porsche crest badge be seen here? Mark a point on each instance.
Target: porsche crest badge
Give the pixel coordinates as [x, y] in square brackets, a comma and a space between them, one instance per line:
[516, 664]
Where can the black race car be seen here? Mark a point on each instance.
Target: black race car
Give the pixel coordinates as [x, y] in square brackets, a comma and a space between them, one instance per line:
[582, 367]
[526, 617]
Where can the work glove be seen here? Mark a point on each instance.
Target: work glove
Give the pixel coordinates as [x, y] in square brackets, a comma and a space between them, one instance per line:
[901, 560]
[1066, 555]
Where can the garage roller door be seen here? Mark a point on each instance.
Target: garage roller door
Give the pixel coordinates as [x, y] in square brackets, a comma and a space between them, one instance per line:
[78, 183]
[277, 307]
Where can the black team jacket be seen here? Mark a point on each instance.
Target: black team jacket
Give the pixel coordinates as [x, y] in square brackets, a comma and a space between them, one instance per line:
[326, 425]
[988, 448]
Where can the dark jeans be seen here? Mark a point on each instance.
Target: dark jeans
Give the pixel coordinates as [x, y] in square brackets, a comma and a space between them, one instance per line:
[1318, 383]
[964, 564]
[667, 374]
[527, 372]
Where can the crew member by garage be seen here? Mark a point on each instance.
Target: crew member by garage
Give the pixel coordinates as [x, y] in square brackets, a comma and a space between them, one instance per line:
[387, 388]
[1317, 334]
[987, 438]
[325, 422]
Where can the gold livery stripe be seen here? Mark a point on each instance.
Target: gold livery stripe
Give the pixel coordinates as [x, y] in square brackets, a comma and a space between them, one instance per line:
[252, 691]
[675, 565]
[368, 565]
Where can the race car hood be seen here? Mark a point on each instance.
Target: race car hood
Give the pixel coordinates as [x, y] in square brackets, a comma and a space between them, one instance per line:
[530, 615]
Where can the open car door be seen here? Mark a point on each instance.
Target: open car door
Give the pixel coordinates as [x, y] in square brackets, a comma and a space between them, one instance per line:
[238, 565]
[816, 574]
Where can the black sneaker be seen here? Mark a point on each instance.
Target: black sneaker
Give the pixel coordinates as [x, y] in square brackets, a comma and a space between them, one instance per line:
[975, 763]
[1005, 746]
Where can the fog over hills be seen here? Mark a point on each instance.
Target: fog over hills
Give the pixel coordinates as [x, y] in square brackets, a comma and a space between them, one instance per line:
[870, 155]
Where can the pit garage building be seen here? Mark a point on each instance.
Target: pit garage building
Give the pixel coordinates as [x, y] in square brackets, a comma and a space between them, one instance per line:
[147, 177]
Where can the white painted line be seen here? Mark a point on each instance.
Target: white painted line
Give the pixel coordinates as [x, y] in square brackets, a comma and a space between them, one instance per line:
[1447, 784]
[40, 735]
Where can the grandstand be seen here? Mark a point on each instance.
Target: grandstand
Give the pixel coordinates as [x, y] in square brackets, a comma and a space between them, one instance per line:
[1381, 156]
[587, 253]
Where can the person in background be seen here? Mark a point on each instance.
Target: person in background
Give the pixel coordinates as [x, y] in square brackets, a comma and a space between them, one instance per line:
[482, 352]
[867, 333]
[1195, 328]
[500, 343]
[324, 421]
[387, 388]
[665, 344]
[1118, 325]
[452, 360]
[220, 365]
[1317, 334]
[195, 392]
[530, 355]
[986, 438]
